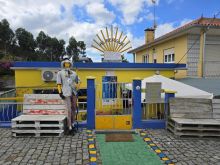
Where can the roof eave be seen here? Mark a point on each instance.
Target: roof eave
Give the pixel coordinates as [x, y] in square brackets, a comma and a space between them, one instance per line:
[164, 38]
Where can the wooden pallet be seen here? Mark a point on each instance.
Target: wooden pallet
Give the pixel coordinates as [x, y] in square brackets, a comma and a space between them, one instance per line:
[193, 134]
[38, 125]
[43, 104]
[194, 127]
[37, 133]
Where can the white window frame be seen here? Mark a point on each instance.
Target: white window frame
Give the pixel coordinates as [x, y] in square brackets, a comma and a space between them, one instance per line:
[146, 58]
[169, 56]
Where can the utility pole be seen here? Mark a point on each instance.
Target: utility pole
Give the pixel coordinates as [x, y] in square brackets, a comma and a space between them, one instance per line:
[155, 25]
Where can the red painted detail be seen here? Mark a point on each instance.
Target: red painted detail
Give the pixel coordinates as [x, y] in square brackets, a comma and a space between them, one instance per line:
[45, 112]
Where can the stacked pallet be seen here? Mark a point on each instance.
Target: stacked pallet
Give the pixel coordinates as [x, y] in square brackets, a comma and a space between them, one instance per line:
[194, 127]
[43, 115]
[193, 118]
[38, 125]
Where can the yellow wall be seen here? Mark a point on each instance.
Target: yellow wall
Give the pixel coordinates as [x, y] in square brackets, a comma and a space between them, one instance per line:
[180, 47]
[122, 75]
[201, 52]
[27, 80]
[32, 78]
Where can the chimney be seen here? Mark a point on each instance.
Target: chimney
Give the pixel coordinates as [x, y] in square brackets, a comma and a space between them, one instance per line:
[149, 35]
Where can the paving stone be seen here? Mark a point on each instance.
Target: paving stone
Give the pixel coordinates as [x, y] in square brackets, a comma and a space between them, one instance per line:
[40, 163]
[78, 162]
[43, 151]
[186, 151]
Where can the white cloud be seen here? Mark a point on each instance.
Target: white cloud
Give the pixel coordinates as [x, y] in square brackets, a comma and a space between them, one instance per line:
[39, 15]
[131, 9]
[168, 27]
[149, 17]
[100, 13]
[135, 41]
[36, 15]
[163, 29]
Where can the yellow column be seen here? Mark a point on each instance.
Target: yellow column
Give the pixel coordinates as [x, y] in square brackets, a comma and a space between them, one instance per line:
[201, 52]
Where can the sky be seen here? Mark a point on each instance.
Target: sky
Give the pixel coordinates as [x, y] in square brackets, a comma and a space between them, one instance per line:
[83, 19]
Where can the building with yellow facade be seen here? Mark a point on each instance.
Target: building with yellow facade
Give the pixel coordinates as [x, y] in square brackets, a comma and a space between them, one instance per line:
[196, 44]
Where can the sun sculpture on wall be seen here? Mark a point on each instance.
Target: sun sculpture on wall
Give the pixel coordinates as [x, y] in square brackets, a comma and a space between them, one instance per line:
[112, 43]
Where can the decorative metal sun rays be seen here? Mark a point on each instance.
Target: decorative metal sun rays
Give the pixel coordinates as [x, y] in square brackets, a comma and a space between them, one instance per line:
[111, 41]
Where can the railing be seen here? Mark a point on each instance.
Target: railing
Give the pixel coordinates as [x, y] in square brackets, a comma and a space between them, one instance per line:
[82, 109]
[153, 111]
[113, 98]
[9, 110]
[9, 93]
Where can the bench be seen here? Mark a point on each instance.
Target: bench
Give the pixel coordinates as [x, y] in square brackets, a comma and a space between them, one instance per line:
[42, 115]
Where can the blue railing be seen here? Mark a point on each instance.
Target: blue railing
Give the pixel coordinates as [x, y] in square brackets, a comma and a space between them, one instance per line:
[8, 111]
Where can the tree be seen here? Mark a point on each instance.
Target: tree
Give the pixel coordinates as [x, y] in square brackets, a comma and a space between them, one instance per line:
[41, 41]
[61, 47]
[6, 36]
[26, 44]
[21, 45]
[82, 47]
[48, 48]
[72, 49]
[55, 48]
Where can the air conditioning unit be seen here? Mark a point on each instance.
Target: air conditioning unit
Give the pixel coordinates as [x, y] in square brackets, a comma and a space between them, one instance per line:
[49, 75]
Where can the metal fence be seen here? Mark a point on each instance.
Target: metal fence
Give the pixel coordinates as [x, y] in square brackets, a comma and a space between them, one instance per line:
[113, 98]
[153, 111]
[82, 111]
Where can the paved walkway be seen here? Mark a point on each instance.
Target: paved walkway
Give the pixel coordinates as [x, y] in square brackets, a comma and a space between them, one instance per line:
[187, 151]
[126, 153]
[43, 151]
[74, 150]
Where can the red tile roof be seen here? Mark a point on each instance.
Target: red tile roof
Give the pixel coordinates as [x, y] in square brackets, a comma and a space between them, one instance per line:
[214, 22]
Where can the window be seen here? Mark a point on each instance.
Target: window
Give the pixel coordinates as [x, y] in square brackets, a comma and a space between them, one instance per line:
[169, 56]
[146, 58]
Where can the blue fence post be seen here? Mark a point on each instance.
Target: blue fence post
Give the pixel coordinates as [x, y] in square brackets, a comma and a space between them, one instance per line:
[136, 96]
[91, 102]
[168, 94]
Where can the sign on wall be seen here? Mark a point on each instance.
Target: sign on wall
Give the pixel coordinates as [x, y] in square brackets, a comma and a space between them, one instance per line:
[153, 92]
